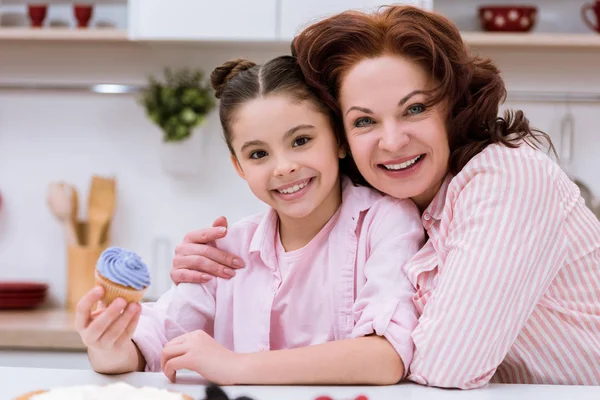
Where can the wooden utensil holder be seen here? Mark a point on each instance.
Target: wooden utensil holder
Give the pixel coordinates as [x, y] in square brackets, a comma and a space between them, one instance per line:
[81, 265]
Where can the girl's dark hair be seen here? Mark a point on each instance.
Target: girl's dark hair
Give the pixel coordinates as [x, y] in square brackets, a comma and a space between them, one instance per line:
[239, 81]
[472, 85]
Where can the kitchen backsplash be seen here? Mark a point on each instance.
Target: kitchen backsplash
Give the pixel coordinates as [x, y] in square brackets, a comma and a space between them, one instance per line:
[71, 136]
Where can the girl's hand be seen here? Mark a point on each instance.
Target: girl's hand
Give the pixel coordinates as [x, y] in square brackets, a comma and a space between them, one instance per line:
[108, 329]
[197, 259]
[199, 352]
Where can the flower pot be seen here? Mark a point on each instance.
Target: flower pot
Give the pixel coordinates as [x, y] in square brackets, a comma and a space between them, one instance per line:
[37, 14]
[83, 14]
[184, 158]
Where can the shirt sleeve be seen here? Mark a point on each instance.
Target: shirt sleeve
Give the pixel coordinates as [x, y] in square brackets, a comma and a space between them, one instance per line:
[503, 248]
[383, 304]
[184, 308]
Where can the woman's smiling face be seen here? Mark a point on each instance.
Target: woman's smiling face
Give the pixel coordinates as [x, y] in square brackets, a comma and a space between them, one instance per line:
[399, 145]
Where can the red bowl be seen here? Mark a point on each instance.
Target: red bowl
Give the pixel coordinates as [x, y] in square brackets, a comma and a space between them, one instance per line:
[20, 303]
[512, 18]
[12, 287]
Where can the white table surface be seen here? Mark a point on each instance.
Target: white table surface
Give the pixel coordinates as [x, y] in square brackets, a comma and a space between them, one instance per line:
[17, 381]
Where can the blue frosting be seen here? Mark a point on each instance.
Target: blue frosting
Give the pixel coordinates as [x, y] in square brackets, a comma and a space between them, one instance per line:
[123, 267]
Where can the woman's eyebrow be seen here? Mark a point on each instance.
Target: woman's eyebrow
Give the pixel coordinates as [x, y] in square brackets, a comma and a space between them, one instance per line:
[400, 103]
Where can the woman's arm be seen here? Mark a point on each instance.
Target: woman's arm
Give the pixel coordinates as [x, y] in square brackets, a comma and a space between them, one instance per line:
[504, 247]
[362, 361]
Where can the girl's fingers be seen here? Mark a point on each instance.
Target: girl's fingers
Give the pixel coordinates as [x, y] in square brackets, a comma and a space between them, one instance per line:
[118, 327]
[83, 311]
[171, 352]
[104, 320]
[130, 329]
[172, 365]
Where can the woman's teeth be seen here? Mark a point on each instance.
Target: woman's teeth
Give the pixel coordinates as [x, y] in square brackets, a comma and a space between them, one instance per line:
[404, 165]
[294, 189]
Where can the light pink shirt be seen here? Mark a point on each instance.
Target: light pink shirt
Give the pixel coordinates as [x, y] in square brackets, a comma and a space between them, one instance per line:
[347, 282]
[508, 284]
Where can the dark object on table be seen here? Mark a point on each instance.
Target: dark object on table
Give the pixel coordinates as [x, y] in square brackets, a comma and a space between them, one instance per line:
[507, 18]
[214, 392]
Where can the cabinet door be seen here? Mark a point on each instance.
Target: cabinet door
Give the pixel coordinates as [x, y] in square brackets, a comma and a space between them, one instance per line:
[203, 20]
[296, 15]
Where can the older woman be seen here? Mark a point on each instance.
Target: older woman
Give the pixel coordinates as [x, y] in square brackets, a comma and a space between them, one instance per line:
[508, 283]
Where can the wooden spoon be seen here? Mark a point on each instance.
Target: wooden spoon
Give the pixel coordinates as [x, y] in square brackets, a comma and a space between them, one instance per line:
[101, 207]
[60, 201]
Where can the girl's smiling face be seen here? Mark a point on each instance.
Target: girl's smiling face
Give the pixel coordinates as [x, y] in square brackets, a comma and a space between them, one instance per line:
[288, 153]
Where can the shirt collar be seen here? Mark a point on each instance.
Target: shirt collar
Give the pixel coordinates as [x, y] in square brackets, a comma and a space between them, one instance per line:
[355, 199]
[263, 240]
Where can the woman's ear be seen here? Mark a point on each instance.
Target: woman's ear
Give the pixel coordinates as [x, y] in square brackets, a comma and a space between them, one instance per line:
[342, 152]
[238, 167]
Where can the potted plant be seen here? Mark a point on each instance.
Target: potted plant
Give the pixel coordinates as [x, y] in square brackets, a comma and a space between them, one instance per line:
[179, 105]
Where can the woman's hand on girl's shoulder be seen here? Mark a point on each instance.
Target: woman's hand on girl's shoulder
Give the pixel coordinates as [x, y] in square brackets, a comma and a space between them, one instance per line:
[197, 260]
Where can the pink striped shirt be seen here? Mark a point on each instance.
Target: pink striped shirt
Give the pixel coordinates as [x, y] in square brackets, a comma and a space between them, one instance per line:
[347, 282]
[508, 283]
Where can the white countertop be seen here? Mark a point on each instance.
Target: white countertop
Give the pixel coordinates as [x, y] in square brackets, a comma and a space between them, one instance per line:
[17, 381]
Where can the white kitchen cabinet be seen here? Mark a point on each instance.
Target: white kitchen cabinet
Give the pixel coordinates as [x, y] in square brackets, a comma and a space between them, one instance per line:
[44, 359]
[295, 15]
[239, 20]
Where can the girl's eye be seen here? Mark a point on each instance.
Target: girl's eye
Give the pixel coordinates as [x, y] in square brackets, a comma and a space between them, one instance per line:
[301, 141]
[258, 154]
[415, 109]
[363, 122]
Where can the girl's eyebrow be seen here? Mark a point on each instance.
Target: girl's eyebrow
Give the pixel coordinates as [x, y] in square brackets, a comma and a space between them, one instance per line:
[295, 129]
[252, 143]
[289, 133]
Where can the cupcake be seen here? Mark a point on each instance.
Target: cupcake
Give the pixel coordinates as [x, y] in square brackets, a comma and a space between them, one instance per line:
[122, 273]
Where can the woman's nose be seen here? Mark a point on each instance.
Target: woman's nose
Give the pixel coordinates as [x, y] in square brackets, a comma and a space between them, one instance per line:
[393, 138]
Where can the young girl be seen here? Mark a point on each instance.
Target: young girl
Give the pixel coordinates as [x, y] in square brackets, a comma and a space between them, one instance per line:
[324, 264]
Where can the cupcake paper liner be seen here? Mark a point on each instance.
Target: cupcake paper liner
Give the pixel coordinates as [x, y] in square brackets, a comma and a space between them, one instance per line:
[113, 290]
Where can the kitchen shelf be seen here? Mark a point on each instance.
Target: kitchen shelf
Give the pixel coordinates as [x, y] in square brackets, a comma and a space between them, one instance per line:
[64, 34]
[473, 39]
[528, 40]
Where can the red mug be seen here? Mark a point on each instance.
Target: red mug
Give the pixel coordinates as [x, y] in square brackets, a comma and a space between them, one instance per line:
[37, 14]
[595, 7]
[83, 14]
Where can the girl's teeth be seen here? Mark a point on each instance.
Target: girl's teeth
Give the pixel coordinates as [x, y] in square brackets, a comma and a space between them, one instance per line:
[294, 188]
[403, 165]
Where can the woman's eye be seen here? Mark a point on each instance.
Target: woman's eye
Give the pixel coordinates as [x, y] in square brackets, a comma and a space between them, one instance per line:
[363, 121]
[301, 141]
[258, 154]
[415, 109]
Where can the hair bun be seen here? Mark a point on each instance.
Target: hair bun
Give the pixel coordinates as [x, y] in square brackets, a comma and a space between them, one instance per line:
[223, 73]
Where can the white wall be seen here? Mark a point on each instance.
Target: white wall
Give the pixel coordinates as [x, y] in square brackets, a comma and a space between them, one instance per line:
[61, 136]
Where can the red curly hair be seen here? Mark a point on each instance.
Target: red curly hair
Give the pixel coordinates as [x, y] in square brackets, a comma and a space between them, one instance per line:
[471, 85]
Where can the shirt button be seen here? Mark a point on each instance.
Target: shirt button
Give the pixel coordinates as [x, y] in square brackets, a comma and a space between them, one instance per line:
[426, 216]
